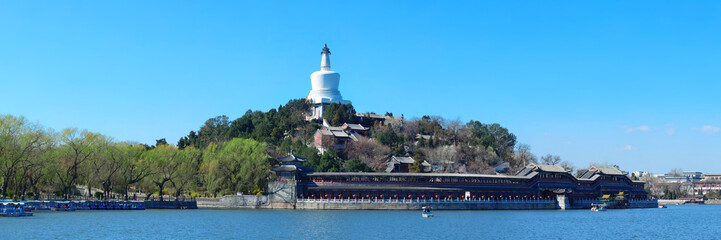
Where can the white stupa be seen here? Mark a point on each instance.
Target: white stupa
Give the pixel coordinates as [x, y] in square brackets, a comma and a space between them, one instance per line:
[325, 86]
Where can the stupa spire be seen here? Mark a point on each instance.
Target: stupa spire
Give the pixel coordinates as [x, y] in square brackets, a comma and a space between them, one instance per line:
[325, 58]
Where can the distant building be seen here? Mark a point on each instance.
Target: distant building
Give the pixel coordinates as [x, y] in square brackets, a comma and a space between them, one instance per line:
[711, 177]
[404, 164]
[686, 177]
[289, 166]
[374, 118]
[640, 174]
[338, 137]
[711, 182]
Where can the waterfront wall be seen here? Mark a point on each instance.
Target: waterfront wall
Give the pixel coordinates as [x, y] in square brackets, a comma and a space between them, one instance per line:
[251, 201]
[283, 191]
[671, 201]
[400, 204]
[652, 203]
[416, 205]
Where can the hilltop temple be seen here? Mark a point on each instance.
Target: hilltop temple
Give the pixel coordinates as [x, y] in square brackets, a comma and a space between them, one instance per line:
[325, 86]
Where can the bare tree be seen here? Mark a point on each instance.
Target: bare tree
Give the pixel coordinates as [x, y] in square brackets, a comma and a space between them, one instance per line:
[676, 172]
[550, 159]
[369, 152]
[445, 156]
[568, 166]
[523, 155]
[453, 130]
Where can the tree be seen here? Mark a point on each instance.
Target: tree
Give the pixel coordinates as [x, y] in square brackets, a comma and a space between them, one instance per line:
[550, 159]
[20, 143]
[356, 165]
[337, 113]
[239, 165]
[523, 156]
[493, 135]
[445, 156]
[166, 163]
[134, 166]
[190, 161]
[328, 162]
[76, 149]
[370, 152]
[214, 130]
[161, 141]
[388, 137]
[481, 159]
[105, 166]
[676, 172]
[453, 131]
[417, 166]
[568, 166]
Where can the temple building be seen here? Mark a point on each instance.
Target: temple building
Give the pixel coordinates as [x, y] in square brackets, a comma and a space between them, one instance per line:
[324, 86]
[535, 182]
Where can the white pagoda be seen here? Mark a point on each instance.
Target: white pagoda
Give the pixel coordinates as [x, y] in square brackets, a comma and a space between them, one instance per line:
[325, 86]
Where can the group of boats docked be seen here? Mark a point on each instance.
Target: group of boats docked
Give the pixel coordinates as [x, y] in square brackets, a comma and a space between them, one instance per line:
[15, 209]
[26, 208]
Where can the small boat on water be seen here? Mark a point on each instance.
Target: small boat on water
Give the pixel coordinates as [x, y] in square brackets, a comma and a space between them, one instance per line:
[427, 212]
[596, 207]
[661, 206]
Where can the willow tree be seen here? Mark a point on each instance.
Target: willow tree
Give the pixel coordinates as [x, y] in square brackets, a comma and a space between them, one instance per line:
[71, 157]
[190, 159]
[134, 167]
[238, 165]
[108, 164]
[20, 143]
[165, 164]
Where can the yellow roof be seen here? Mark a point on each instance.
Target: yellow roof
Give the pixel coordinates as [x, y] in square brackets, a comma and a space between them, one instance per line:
[606, 196]
[620, 193]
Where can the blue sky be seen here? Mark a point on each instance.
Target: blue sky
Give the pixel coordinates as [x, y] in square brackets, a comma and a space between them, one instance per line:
[634, 83]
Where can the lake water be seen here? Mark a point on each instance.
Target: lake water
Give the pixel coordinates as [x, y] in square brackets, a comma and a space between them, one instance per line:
[674, 222]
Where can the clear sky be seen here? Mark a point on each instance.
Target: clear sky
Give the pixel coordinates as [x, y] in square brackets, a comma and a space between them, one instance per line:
[633, 83]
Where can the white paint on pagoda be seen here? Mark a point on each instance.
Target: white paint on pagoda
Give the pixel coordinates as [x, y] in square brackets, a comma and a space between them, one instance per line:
[324, 86]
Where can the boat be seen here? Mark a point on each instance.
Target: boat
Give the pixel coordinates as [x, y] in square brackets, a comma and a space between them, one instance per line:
[427, 212]
[62, 206]
[598, 207]
[661, 206]
[15, 209]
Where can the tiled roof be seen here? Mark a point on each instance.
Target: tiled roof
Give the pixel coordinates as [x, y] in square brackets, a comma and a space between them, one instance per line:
[291, 168]
[356, 127]
[291, 158]
[403, 159]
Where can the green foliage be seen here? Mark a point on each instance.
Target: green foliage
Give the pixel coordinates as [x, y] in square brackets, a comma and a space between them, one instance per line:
[356, 165]
[429, 126]
[668, 194]
[713, 195]
[493, 135]
[336, 114]
[389, 138]
[214, 131]
[238, 165]
[327, 162]
[161, 141]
